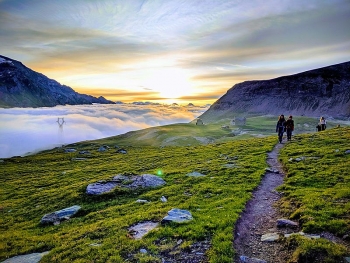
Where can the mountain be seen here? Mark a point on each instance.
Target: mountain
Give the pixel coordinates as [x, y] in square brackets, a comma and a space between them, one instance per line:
[324, 91]
[23, 87]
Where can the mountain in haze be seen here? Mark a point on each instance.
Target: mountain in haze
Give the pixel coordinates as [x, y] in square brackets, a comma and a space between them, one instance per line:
[23, 87]
[319, 92]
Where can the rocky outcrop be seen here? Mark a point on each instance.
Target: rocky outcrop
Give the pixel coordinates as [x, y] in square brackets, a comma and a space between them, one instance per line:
[324, 91]
[58, 216]
[23, 87]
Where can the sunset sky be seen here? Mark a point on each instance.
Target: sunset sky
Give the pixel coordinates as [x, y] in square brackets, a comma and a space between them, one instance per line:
[172, 50]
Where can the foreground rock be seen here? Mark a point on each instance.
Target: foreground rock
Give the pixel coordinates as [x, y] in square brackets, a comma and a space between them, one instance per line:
[123, 181]
[177, 216]
[30, 258]
[58, 216]
[139, 230]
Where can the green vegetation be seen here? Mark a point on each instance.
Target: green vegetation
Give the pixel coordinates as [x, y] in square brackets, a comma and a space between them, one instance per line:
[35, 185]
[316, 193]
[317, 189]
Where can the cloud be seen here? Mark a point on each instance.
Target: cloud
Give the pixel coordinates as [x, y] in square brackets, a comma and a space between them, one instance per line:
[28, 129]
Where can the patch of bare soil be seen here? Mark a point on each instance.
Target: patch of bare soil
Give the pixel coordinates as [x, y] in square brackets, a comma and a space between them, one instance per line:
[260, 218]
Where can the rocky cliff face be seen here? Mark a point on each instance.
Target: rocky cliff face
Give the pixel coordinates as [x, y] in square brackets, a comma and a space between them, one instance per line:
[324, 91]
[23, 87]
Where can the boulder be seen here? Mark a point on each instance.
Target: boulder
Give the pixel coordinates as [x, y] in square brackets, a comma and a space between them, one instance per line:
[177, 216]
[286, 223]
[128, 182]
[58, 216]
[139, 230]
[29, 258]
[123, 151]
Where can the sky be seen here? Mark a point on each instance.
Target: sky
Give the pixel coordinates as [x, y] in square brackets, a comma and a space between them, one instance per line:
[172, 50]
[35, 129]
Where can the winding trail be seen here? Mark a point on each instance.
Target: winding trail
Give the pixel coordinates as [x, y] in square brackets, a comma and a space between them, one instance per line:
[259, 217]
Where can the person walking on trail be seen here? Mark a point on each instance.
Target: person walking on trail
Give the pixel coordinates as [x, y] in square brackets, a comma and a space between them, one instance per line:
[280, 127]
[289, 127]
[323, 123]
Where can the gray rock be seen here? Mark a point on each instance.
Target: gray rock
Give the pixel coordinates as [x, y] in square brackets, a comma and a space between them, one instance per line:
[101, 187]
[30, 258]
[102, 149]
[141, 201]
[347, 152]
[129, 182]
[270, 237]
[177, 216]
[58, 216]
[123, 151]
[286, 223]
[84, 152]
[347, 259]
[163, 199]
[70, 150]
[251, 260]
[271, 170]
[195, 174]
[139, 230]
[143, 251]
[299, 159]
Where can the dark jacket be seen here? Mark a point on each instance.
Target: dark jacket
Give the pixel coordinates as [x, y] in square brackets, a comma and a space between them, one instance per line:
[280, 126]
[289, 124]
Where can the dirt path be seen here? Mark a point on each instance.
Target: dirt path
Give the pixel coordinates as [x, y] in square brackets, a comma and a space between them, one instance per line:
[260, 217]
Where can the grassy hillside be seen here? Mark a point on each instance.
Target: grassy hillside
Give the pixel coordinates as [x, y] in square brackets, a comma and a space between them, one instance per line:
[316, 193]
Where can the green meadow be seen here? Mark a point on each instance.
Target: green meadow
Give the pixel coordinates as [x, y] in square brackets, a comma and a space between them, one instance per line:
[316, 192]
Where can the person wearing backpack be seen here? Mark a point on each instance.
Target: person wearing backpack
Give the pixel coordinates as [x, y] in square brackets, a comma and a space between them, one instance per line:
[280, 127]
[289, 127]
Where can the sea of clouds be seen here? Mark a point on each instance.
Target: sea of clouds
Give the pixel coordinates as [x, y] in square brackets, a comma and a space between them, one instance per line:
[28, 130]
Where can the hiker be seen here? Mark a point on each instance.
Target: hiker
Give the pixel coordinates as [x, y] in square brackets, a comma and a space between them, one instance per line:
[280, 127]
[289, 127]
[322, 123]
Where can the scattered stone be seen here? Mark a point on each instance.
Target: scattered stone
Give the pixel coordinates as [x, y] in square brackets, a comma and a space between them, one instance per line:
[336, 150]
[299, 159]
[129, 182]
[347, 152]
[84, 152]
[139, 230]
[58, 216]
[163, 199]
[102, 149]
[95, 245]
[70, 150]
[271, 170]
[123, 151]
[286, 223]
[142, 201]
[29, 258]
[177, 216]
[143, 251]
[270, 237]
[79, 159]
[290, 160]
[251, 260]
[229, 165]
[195, 174]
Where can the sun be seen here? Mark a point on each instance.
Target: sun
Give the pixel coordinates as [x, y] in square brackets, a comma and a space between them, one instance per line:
[171, 83]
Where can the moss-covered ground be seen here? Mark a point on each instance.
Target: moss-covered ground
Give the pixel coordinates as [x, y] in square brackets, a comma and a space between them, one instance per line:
[316, 193]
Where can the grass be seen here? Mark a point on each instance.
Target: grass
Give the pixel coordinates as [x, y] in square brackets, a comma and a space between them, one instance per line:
[35, 185]
[316, 193]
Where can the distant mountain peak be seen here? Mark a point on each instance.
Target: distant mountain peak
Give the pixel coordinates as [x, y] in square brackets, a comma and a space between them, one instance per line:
[23, 87]
[319, 92]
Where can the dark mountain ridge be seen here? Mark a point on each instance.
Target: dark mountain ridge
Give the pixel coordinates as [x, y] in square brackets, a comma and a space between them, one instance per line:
[23, 87]
[324, 91]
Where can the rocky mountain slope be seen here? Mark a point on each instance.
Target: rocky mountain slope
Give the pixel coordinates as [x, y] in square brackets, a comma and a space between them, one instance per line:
[324, 91]
[23, 87]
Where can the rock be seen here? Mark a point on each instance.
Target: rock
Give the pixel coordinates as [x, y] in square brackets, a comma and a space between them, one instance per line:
[251, 260]
[270, 237]
[229, 165]
[195, 174]
[58, 216]
[79, 159]
[177, 216]
[286, 223]
[102, 149]
[272, 170]
[70, 150]
[299, 159]
[101, 187]
[95, 245]
[142, 201]
[30, 258]
[123, 151]
[139, 230]
[347, 152]
[84, 152]
[143, 251]
[129, 182]
[163, 199]
[347, 259]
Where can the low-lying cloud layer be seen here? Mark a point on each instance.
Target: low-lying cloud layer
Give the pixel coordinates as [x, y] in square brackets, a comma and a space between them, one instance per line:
[25, 130]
